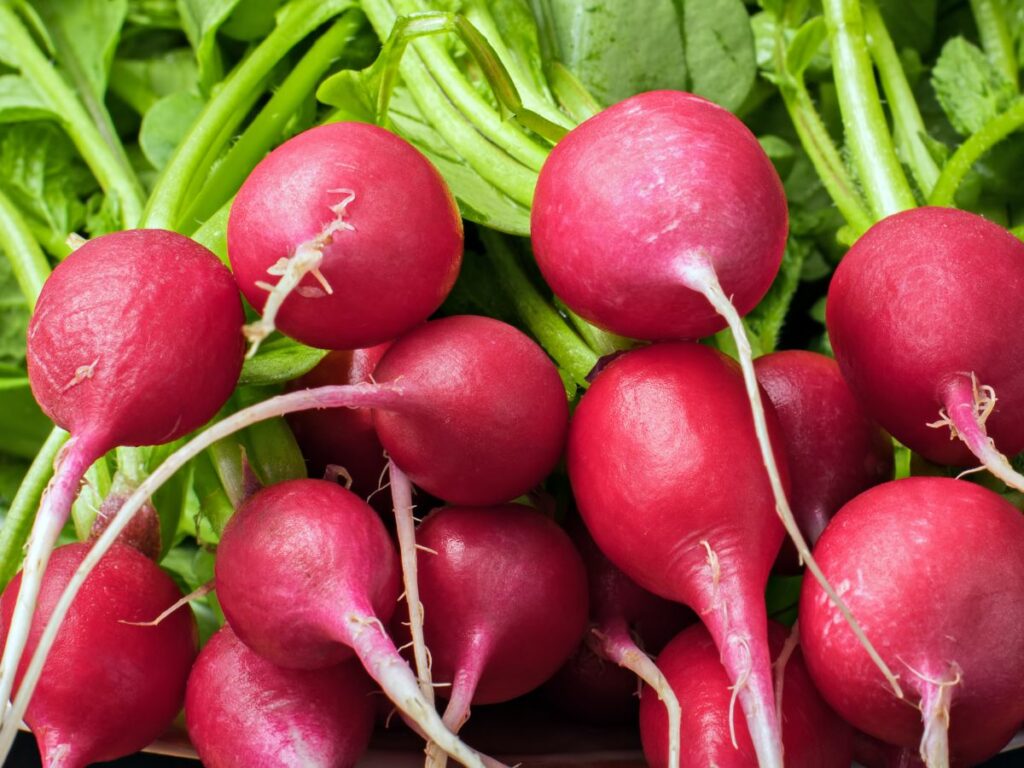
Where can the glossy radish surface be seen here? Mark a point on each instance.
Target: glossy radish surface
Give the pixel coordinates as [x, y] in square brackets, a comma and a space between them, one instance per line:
[244, 712]
[835, 448]
[814, 736]
[667, 473]
[934, 568]
[110, 688]
[360, 221]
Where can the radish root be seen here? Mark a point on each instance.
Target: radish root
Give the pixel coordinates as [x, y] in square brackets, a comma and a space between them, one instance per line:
[306, 259]
[780, 666]
[966, 408]
[936, 699]
[195, 594]
[697, 273]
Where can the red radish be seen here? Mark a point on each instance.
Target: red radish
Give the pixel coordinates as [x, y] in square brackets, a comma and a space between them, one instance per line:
[143, 532]
[620, 611]
[110, 687]
[307, 575]
[344, 237]
[342, 436]
[872, 753]
[668, 477]
[888, 316]
[135, 340]
[662, 218]
[814, 736]
[244, 712]
[593, 690]
[936, 569]
[827, 434]
[505, 602]
[476, 396]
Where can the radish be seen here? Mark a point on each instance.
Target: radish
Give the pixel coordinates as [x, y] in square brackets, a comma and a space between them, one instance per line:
[620, 611]
[341, 436]
[111, 687]
[307, 575]
[814, 736]
[345, 236]
[827, 434]
[504, 592]
[591, 689]
[662, 218]
[888, 317]
[244, 712]
[936, 569]
[647, 461]
[470, 407]
[872, 753]
[135, 340]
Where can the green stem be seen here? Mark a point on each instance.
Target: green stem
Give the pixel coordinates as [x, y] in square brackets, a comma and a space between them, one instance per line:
[27, 260]
[543, 321]
[601, 342]
[73, 117]
[18, 520]
[266, 128]
[190, 160]
[996, 38]
[907, 117]
[867, 131]
[968, 153]
[572, 94]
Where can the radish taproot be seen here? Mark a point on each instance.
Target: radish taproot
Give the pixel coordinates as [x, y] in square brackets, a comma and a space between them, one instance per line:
[814, 736]
[505, 593]
[135, 340]
[307, 575]
[344, 237]
[935, 568]
[827, 434]
[244, 712]
[111, 686]
[889, 313]
[662, 218]
[647, 460]
[479, 398]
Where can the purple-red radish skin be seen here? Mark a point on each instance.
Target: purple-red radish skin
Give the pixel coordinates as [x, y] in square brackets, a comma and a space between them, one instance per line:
[505, 600]
[838, 450]
[244, 712]
[924, 298]
[667, 473]
[389, 267]
[142, 533]
[109, 688]
[814, 736]
[934, 568]
[631, 194]
[495, 422]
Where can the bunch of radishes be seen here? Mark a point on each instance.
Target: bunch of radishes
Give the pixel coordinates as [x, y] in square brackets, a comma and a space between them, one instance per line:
[660, 219]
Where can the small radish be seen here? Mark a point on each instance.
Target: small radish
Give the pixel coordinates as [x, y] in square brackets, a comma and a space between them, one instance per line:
[136, 340]
[621, 613]
[814, 736]
[935, 568]
[111, 687]
[470, 407]
[827, 434]
[344, 237]
[307, 575]
[667, 473]
[504, 594]
[244, 712]
[926, 317]
[342, 437]
[662, 218]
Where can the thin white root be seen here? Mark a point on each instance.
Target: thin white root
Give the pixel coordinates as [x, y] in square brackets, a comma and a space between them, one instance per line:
[780, 667]
[696, 272]
[196, 594]
[935, 703]
[335, 472]
[74, 241]
[306, 259]
[741, 683]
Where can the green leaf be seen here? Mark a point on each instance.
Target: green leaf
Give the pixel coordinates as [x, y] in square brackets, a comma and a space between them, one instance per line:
[143, 82]
[165, 125]
[11, 473]
[251, 20]
[159, 14]
[805, 45]
[719, 50]
[174, 500]
[201, 19]
[19, 101]
[969, 88]
[279, 361]
[614, 49]
[910, 24]
[23, 427]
